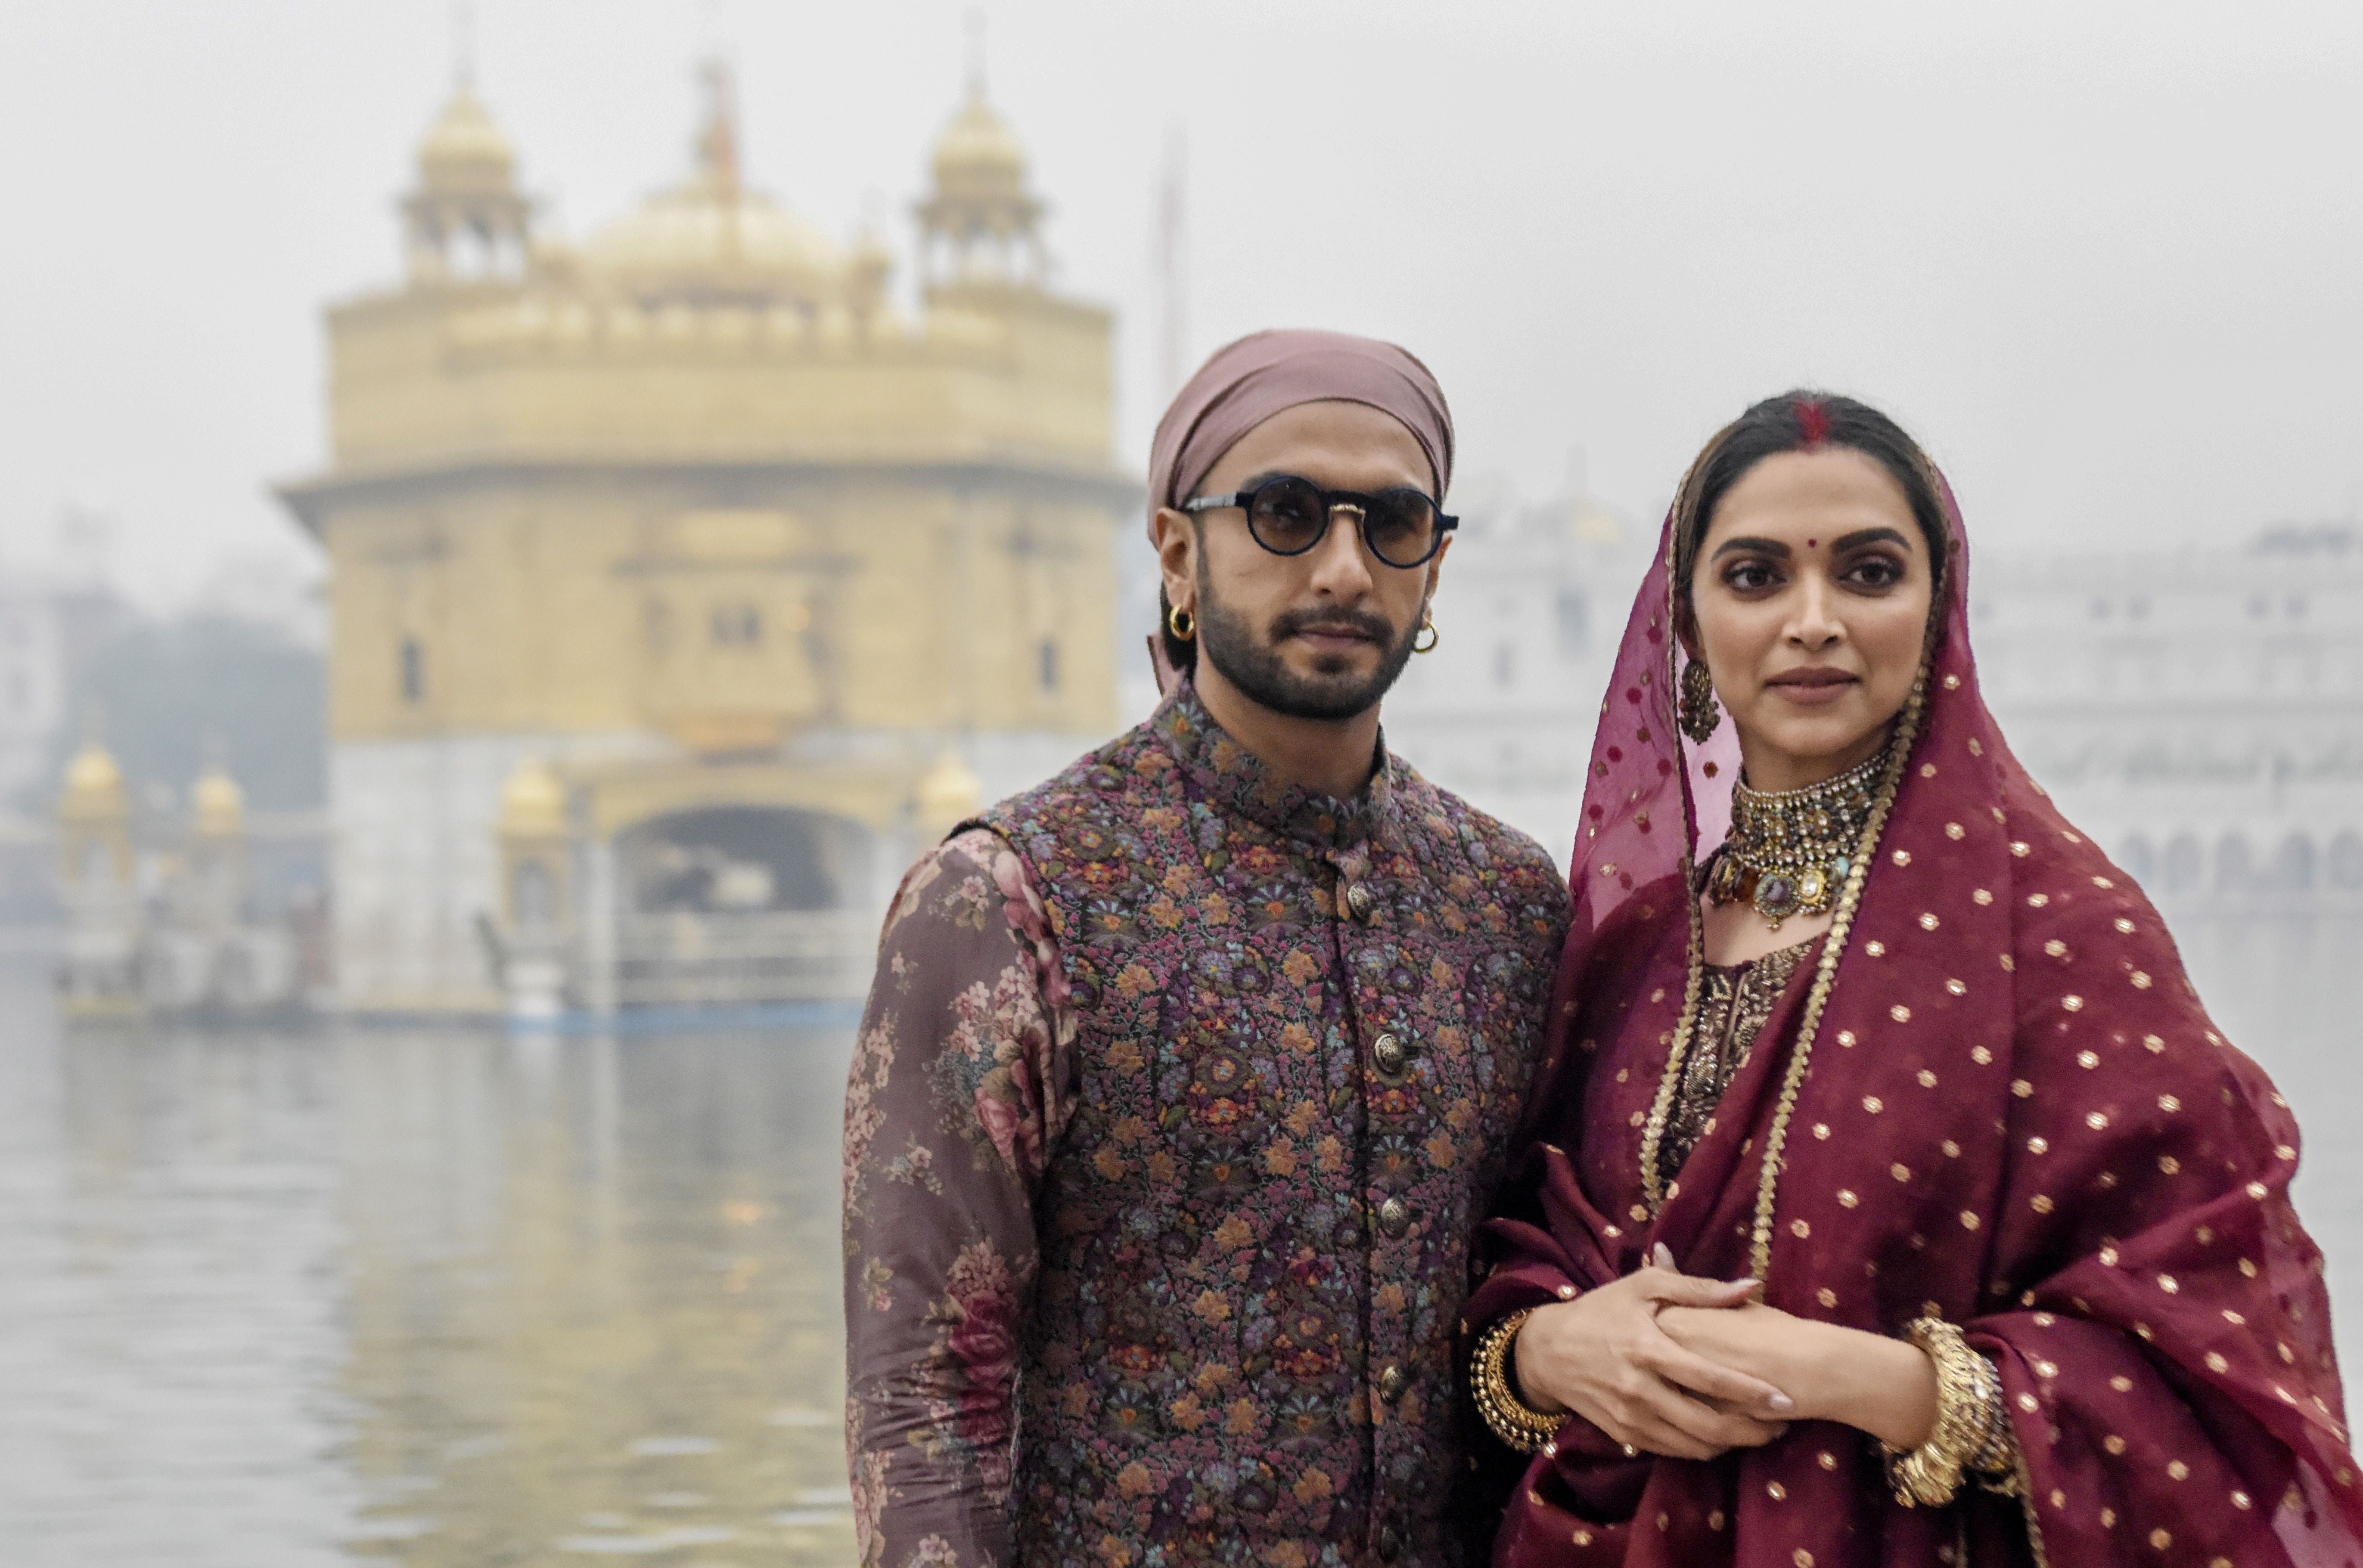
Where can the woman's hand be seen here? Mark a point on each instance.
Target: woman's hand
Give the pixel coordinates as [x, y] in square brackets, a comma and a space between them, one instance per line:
[1603, 1356]
[1883, 1387]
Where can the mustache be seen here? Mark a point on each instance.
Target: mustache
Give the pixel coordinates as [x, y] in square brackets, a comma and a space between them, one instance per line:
[1368, 623]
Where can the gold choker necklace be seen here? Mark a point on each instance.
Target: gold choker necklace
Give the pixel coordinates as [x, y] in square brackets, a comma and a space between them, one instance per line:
[1789, 851]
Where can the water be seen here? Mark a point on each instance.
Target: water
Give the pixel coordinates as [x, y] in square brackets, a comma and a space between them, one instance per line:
[430, 1298]
[417, 1297]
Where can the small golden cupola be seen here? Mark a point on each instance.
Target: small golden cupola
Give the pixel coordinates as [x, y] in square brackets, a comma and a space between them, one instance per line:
[218, 804]
[948, 794]
[95, 823]
[533, 802]
[979, 224]
[94, 792]
[466, 221]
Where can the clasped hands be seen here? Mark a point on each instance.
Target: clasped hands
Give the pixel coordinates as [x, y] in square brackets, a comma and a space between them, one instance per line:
[1671, 1364]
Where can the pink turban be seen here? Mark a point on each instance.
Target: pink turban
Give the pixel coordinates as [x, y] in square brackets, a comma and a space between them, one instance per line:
[1247, 383]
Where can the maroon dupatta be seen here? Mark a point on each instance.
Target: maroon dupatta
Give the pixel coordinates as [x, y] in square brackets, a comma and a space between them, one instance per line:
[1996, 1099]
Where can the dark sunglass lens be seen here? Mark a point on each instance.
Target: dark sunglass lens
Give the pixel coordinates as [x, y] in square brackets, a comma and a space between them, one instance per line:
[1287, 516]
[1401, 527]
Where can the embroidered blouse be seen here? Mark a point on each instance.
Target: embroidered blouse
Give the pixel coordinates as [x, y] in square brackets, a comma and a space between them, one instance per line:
[1733, 1001]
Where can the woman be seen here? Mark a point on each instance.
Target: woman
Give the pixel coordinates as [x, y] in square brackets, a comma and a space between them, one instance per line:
[1890, 1199]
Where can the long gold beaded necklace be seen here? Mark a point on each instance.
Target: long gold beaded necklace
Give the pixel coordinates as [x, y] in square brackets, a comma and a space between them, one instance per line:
[1790, 850]
[1889, 765]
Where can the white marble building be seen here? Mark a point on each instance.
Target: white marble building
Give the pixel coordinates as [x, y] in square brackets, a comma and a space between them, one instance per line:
[2200, 711]
[1528, 614]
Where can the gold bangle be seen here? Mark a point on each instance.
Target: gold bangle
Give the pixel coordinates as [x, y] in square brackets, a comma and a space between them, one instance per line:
[1513, 1420]
[1972, 1435]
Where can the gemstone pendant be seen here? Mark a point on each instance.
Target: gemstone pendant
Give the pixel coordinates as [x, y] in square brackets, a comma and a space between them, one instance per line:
[1776, 898]
[1813, 890]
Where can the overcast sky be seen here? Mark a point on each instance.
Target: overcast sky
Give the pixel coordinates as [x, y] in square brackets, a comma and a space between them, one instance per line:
[2106, 259]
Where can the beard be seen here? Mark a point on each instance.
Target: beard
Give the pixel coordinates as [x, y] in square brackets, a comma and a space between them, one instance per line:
[1333, 690]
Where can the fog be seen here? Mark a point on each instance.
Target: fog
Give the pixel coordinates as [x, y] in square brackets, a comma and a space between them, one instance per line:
[2104, 258]
[298, 1280]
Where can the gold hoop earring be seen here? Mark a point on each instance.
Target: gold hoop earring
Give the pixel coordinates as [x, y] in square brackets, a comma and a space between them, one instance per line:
[1181, 624]
[1699, 714]
[1427, 629]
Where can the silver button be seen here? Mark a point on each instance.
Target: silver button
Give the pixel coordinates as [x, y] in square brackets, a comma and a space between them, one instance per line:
[1387, 1054]
[1392, 1381]
[1357, 899]
[1394, 1216]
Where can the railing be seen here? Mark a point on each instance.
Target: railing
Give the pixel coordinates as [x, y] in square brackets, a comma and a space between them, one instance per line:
[701, 960]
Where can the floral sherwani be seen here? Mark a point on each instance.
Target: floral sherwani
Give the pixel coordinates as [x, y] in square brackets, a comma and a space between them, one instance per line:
[1176, 1099]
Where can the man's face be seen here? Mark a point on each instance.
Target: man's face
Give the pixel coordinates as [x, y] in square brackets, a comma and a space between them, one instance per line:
[1318, 635]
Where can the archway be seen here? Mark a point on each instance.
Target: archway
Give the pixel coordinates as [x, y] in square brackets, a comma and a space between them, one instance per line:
[725, 860]
[2186, 864]
[2292, 868]
[2236, 865]
[2347, 862]
[735, 904]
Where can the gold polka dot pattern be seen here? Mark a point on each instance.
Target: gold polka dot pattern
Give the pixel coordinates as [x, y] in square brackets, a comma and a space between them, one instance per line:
[2017, 1118]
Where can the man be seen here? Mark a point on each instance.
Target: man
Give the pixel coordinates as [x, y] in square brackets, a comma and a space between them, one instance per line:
[1185, 1075]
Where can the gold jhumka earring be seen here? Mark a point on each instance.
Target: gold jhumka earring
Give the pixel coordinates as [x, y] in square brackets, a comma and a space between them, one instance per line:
[1699, 713]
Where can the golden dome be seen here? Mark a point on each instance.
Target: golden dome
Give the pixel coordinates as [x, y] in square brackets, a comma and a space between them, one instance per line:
[979, 157]
[219, 803]
[465, 153]
[712, 239]
[533, 802]
[705, 239]
[94, 789]
[948, 794]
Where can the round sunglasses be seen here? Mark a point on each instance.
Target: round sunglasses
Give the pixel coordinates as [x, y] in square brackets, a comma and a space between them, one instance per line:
[1288, 515]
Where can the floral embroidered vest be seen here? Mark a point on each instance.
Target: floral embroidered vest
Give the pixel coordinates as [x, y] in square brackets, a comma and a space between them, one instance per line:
[1304, 1029]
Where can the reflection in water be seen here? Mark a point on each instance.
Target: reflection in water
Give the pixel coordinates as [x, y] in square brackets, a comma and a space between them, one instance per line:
[430, 1298]
[443, 1298]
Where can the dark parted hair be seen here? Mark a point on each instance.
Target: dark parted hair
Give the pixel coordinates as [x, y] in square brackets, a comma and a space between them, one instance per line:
[1802, 421]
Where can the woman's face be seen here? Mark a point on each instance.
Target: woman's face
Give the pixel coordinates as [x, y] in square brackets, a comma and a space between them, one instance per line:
[1811, 590]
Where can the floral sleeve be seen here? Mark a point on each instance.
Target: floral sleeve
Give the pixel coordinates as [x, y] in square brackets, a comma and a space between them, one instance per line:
[961, 1081]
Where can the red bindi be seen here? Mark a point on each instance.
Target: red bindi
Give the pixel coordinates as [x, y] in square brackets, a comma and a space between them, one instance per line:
[1811, 542]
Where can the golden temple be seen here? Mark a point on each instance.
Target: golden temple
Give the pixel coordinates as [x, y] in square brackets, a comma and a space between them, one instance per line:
[683, 584]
